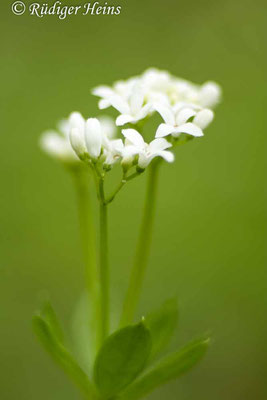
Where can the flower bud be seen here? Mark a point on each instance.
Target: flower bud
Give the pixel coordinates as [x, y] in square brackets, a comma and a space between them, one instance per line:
[203, 118]
[127, 162]
[77, 141]
[210, 94]
[93, 137]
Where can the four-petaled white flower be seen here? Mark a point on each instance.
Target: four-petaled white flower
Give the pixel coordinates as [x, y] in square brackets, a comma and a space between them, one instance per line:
[177, 120]
[56, 143]
[122, 89]
[135, 145]
[133, 108]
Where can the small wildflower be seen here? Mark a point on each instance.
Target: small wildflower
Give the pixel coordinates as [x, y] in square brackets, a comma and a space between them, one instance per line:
[135, 145]
[183, 119]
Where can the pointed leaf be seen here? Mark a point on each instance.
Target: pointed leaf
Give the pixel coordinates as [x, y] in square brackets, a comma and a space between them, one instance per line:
[121, 358]
[169, 368]
[49, 315]
[83, 333]
[61, 355]
[162, 324]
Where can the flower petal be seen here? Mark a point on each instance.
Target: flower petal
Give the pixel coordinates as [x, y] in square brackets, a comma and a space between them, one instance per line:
[181, 105]
[136, 99]
[190, 129]
[124, 119]
[130, 150]
[102, 91]
[77, 121]
[120, 104]
[77, 141]
[117, 145]
[144, 111]
[134, 137]
[167, 155]
[183, 116]
[166, 113]
[103, 104]
[93, 137]
[159, 144]
[164, 130]
[144, 160]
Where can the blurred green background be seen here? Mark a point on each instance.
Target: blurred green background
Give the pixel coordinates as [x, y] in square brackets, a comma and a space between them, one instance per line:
[208, 245]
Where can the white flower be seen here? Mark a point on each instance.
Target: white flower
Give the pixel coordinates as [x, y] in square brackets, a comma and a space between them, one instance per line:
[56, 143]
[135, 145]
[206, 95]
[132, 106]
[128, 97]
[156, 80]
[94, 137]
[132, 110]
[176, 120]
[112, 151]
[121, 89]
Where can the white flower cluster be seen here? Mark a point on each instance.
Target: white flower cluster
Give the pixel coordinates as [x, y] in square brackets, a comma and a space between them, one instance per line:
[184, 107]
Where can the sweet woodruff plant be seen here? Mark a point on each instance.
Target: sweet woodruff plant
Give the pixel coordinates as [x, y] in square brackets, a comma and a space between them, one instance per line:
[124, 363]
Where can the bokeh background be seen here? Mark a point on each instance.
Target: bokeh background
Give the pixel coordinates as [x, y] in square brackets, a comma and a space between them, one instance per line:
[208, 246]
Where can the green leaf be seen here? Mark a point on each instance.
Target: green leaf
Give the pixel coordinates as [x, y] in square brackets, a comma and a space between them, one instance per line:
[49, 315]
[162, 324]
[169, 368]
[84, 338]
[61, 355]
[121, 358]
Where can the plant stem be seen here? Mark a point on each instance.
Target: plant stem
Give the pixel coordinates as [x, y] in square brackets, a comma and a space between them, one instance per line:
[88, 245]
[104, 268]
[123, 181]
[143, 247]
[119, 187]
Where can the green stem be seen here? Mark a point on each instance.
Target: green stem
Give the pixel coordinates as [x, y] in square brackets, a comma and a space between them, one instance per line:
[134, 175]
[143, 248]
[119, 187]
[124, 180]
[88, 245]
[104, 268]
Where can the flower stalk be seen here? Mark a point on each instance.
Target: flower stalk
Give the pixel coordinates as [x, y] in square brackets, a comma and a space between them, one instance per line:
[143, 247]
[104, 267]
[87, 234]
